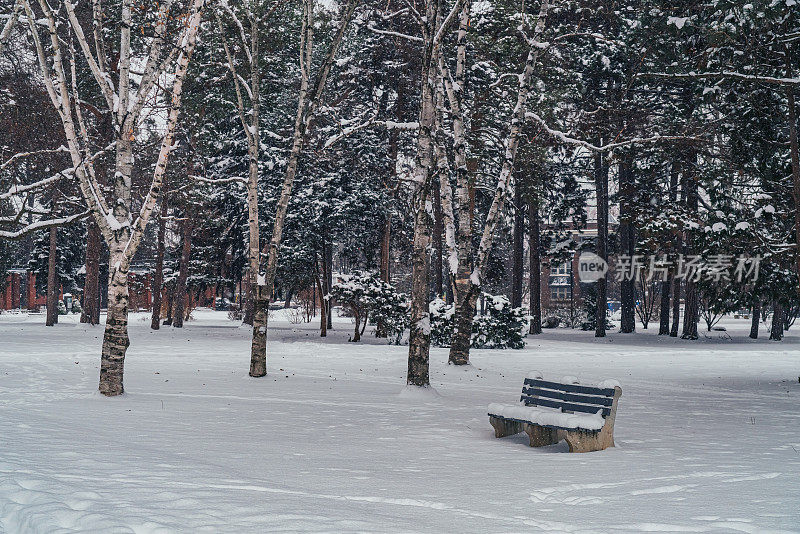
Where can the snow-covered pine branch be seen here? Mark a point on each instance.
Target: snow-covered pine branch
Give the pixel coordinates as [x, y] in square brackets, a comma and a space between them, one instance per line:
[414, 38]
[573, 141]
[218, 181]
[41, 224]
[729, 75]
[370, 123]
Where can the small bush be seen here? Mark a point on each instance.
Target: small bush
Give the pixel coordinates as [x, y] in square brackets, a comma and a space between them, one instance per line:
[502, 327]
[370, 300]
[441, 322]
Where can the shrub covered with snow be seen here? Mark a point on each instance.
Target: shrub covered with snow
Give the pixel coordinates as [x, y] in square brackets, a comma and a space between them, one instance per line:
[369, 300]
[388, 310]
[441, 322]
[503, 326]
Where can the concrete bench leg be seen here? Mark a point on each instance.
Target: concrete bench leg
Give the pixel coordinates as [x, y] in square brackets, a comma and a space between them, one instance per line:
[504, 427]
[582, 441]
[541, 436]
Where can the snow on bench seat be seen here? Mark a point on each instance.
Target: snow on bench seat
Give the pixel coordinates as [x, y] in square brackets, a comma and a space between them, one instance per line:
[548, 416]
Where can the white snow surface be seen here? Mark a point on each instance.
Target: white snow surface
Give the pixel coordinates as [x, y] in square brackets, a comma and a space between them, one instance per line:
[707, 434]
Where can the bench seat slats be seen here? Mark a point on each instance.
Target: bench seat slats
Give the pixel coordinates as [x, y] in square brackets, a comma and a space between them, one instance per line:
[527, 421]
[529, 401]
[570, 388]
[546, 426]
[571, 397]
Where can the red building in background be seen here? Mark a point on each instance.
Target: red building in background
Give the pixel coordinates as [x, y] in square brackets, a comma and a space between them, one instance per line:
[20, 292]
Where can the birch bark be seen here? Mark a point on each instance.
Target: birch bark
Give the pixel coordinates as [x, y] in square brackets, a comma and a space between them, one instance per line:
[306, 107]
[468, 284]
[121, 231]
[420, 329]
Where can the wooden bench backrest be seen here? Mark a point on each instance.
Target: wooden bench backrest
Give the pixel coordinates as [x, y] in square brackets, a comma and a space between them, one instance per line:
[568, 397]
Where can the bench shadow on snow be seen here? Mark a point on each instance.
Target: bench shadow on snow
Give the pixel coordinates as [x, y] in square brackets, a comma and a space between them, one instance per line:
[521, 440]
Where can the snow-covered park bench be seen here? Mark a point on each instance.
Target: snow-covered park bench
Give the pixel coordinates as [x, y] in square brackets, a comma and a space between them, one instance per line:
[550, 411]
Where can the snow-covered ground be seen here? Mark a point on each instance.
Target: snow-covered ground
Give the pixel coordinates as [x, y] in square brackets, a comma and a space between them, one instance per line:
[708, 435]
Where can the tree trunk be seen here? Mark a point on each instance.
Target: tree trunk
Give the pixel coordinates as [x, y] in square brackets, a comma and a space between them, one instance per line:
[52, 279]
[386, 239]
[789, 315]
[468, 284]
[676, 282]
[115, 337]
[535, 275]
[420, 328]
[754, 320]
[357, 317]
[794, 151]
[248, 305]
[305, 112]
[438, 285]
[465, 293]
[170, 295]
[323, 308]
[183, 276]
[666, 287]
[460, 263]
[158, 275]
[676, 306]
[691, 311]
[518, 247]
[601, 244]
[776, 331]
[288, 300]
[91, 286]
[627, 245]
[258, 347]
[328, 280]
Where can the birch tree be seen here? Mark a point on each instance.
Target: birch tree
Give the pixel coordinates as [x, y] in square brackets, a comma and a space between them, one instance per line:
[310, 95]
[245, 71]
[170, 37]
[468, 273]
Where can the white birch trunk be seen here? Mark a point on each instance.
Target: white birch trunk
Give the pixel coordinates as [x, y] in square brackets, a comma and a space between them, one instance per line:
[306, 107]
[468, 287]
[420, 326]
[122, 234]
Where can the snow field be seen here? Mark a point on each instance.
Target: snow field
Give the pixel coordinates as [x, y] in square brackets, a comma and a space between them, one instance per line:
[707, 435]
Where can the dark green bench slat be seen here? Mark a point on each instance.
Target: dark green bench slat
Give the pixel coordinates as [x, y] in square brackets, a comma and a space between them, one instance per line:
[570, 388]
[585, 399]
[563, 405]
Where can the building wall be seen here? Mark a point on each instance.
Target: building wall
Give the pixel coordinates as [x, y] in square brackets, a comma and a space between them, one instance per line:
[20, 292]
